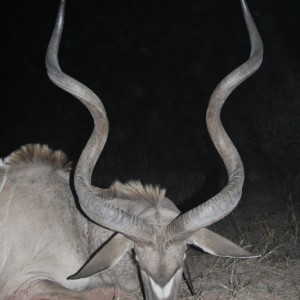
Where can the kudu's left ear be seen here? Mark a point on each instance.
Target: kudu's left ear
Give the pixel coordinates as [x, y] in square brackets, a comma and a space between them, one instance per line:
[108, 256]
[215, 244]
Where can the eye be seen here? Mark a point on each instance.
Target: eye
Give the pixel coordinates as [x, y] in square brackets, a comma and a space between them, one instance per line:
[136, 258]
[184, 256]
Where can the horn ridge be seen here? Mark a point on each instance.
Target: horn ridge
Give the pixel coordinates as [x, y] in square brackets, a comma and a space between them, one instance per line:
[91, 199]
[226, 200]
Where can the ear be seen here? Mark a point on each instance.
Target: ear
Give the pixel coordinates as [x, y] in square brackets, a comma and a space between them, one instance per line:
[217, 245]
[108, 256]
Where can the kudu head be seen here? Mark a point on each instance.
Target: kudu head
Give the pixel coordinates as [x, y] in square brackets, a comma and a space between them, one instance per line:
[159, 239]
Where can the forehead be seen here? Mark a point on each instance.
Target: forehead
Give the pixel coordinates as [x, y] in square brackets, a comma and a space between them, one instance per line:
[159, 215]
[146, 201]
[160, 262]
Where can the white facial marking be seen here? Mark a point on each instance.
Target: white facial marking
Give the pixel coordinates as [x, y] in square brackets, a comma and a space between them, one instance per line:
[162, 292]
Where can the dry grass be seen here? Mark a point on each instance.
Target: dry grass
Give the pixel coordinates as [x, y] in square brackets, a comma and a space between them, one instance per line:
[275, 275]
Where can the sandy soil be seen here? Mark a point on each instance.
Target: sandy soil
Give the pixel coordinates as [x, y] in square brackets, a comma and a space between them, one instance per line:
[275, 275]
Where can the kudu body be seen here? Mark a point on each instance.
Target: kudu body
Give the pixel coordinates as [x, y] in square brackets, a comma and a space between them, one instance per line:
[45, 237]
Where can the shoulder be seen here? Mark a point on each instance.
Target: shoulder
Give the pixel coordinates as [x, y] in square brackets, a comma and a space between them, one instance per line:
[36, 155]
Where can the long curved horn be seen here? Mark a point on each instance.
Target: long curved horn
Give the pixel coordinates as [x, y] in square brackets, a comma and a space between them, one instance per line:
[92, 200]
[225, 201]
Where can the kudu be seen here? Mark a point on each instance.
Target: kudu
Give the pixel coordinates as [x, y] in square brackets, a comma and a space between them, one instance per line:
[45, 237]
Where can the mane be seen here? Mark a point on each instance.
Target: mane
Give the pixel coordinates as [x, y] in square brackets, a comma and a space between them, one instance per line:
[39, 154]
[135, 190]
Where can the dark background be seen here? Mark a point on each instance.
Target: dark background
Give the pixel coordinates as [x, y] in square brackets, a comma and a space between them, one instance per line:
[154, 64]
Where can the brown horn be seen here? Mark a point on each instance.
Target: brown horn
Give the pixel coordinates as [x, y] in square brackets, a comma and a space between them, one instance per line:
[225, 201]
[92, 200]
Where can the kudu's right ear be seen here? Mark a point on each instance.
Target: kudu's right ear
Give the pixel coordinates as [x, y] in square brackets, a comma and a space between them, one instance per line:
[108, 256]
[215, 244]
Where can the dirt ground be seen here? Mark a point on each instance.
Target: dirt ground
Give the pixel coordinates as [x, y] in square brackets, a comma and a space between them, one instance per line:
[275, 275]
